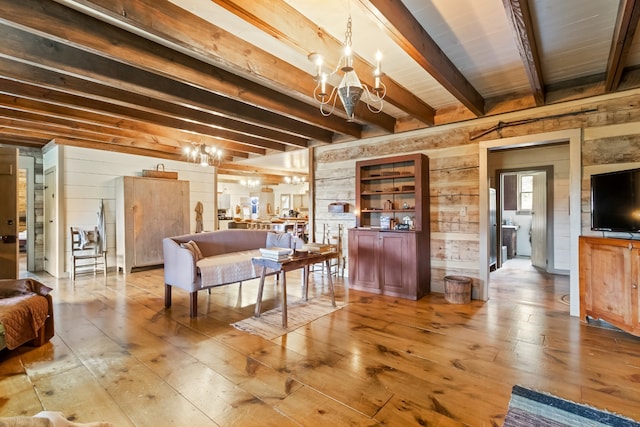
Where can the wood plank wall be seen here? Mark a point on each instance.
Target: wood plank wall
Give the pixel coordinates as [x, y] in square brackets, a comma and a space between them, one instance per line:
[454, 169]
[607, 149]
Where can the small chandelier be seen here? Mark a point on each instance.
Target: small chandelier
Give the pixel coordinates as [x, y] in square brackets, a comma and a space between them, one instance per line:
[250, 183]
[203, 154]
[294, 180]
[350, 89]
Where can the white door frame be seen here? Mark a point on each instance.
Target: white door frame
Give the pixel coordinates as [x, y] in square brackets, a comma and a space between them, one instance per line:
[574, 136]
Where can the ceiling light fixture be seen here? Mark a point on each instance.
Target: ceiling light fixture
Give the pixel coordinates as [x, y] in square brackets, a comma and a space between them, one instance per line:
[250, 183]
[294, 180]
[203, 154]
[350, 89]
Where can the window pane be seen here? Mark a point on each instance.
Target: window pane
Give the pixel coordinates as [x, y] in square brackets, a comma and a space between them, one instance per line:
[526, 201]
[510, 192]
[526, 183]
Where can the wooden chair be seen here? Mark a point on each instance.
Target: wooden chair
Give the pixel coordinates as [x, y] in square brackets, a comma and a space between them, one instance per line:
[332, 235]
[85, 257]
[299, 230]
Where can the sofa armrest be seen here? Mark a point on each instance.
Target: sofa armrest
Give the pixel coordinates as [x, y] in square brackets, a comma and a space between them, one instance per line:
[179, 266]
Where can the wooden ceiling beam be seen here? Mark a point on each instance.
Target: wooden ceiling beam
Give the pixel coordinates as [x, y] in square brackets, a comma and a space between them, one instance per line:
[73, 128]
[265, 176]
[285, 23]
[407, 32]
[234, 168]
[625, 29]
[156, 66]
[32, 90]
[23, 141]
[199, 38]
[54, 129]
[134, 86]
[14, 132]
[120, 148]
[110, 123]
[519, 17]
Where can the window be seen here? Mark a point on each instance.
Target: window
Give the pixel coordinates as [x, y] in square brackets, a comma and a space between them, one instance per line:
[525, 193]
[510, 192]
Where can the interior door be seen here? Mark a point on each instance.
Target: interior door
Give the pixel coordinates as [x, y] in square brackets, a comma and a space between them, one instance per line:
[9, 213]
[493, 230]
[539, 221]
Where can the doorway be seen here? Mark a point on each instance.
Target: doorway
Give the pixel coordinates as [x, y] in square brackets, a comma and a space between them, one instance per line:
[568, 232]
[525, 212]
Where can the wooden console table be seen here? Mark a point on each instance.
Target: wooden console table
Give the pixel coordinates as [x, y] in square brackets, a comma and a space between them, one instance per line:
[293, 263]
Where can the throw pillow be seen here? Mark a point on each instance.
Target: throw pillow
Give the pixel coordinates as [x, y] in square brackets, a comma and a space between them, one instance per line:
[196, 250]
[278, 240]
[193, 248]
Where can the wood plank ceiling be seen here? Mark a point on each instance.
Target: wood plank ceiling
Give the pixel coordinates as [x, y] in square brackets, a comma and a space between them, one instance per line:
[152, 76]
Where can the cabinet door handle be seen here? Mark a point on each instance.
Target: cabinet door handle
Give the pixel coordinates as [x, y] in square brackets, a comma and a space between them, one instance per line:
[634, 286]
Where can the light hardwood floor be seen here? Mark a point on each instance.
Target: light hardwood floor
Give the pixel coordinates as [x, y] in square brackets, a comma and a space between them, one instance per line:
[118, 355]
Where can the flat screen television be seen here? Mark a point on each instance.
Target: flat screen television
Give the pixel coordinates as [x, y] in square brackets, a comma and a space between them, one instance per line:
[615, 201]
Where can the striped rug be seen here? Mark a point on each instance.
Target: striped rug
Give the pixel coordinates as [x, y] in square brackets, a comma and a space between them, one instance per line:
[531, 408]
[299, 313]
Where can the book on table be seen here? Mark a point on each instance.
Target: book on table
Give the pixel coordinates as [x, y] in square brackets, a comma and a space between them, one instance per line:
[276, 253]
[316, 248]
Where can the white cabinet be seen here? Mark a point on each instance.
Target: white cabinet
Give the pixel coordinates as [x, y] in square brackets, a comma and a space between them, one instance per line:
[148, 210]
[301, 202]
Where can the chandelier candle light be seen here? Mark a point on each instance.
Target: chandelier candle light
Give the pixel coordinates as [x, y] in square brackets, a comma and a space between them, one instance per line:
[204, 154]
[350, 89]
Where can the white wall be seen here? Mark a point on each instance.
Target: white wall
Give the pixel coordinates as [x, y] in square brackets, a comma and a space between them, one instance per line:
[88, 176]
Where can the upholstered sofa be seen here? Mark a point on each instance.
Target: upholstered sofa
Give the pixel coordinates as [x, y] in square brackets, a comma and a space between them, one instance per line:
[26, 313]
[204, 260]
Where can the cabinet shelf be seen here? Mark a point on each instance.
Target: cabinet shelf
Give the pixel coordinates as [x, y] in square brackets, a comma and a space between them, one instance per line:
[385, 260]
[387, 210]
[378, 193]
[387, 177]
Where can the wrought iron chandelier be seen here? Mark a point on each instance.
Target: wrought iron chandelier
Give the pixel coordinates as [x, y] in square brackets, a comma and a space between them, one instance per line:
[350, 90]
[204, 154]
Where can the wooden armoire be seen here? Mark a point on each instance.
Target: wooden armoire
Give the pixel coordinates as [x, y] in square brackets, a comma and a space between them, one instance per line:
[148, 210]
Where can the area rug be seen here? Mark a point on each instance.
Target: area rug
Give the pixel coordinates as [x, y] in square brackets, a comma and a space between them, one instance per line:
[299, 313]
[531, 408]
